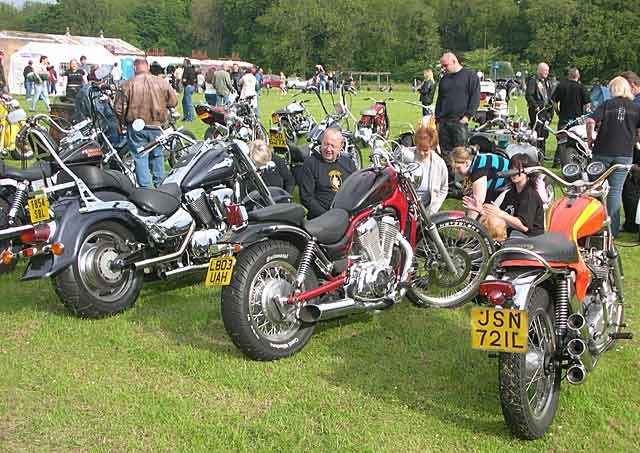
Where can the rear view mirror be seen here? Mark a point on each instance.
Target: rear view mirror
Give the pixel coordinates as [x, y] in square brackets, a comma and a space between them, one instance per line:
[138, 124]
[16, 116]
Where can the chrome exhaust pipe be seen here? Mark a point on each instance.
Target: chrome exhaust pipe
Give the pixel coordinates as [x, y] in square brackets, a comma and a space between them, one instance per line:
[576, 322]
[174, 273]
[576, 374]
[171, 256]
[321, 312]
[575, 348]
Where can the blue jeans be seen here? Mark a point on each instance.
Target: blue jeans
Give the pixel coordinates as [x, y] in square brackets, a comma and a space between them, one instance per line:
[616, 183]
[211, 98]
[41, 90]
[154, 159]
[223, 100]
[28, 88]
[187, 103]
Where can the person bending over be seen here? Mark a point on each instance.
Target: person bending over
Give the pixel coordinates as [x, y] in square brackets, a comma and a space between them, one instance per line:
[480, 172]
[276, 175]
[521, 209]
[322, 175]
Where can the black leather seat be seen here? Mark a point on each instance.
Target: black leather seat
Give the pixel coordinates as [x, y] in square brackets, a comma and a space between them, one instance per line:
[286, 212]
[330, 227]
[298, 153]
[32, 173]
[554, 247]
[96, 179]
[282, 112]
[165, 200]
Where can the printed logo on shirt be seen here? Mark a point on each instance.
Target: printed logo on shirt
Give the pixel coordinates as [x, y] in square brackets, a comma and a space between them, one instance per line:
[467, 186]
[622, 112]
[335, 180]
[510, 209]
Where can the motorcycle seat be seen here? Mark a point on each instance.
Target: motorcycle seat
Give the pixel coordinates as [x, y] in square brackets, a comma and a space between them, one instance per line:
[285, 212]
[298, 153]
[33, 173]
[165, 200]
[282, 112]
[96, 178]
[552, 246]
[329, 227]
[368, 112]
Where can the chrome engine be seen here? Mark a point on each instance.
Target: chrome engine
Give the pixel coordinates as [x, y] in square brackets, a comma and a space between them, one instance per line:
[372, 276]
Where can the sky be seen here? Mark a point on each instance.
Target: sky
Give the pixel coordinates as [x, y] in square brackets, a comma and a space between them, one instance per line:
[19, 3]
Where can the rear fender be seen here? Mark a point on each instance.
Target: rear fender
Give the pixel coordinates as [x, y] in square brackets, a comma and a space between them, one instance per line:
[259, 232]
[71, 227]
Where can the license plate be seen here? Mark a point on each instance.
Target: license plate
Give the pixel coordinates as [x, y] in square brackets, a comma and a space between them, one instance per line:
[39, 209]
[277, 139]
[498, 329]
[484, 103]
[203, 115]
[220, 270]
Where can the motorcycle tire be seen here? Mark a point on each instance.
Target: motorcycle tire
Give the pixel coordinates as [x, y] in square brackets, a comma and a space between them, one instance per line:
[177, 148]
[356, 154]
[260, 133]
[470, 245]
[527, 411]
[253, 325]
[289, 131]
[89, 287]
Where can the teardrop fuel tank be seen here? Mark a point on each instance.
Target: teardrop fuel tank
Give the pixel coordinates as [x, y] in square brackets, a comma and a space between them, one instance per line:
[213, 167]
[365, 188]
[577, 217]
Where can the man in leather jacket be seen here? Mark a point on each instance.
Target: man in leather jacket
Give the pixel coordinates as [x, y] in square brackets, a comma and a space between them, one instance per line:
[538, 97]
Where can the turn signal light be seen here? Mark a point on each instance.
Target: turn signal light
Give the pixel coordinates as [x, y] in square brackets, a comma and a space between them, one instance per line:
[7, 257]
[57, 248]
[275, 119]
[39, 233]
[496, 291]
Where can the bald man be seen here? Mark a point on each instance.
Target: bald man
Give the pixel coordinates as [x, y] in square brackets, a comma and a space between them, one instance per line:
[538, 97]
[457, 103]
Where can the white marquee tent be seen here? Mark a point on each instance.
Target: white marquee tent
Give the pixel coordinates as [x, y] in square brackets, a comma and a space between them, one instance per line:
[58, 55]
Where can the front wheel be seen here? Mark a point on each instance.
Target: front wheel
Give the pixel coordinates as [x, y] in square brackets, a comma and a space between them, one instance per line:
[289, 131]
[90, 287]
[355, 153]
[260, 133]
[530, 382]
[434, 285]
[259, 324]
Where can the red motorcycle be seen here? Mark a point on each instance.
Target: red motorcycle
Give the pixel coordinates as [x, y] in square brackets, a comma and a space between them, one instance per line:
[374, 120]
[556, 302]
[376, 245]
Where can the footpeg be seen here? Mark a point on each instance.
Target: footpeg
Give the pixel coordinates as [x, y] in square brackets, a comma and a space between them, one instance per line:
[621, 336]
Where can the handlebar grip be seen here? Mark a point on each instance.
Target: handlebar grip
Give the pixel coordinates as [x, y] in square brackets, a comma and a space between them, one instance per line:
[508, 173]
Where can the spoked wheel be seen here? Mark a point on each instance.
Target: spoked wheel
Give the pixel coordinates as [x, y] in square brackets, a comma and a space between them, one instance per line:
[355, 153]
[289, 131]
[91, 287]
[260, 133]
[530, 382]
[258, 322]
[434, 284]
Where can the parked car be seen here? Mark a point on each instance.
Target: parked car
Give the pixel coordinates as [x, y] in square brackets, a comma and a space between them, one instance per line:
[271, 81]
[297, 83]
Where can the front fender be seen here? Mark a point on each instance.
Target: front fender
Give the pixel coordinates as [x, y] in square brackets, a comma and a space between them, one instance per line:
[70, 229]
[443, 216]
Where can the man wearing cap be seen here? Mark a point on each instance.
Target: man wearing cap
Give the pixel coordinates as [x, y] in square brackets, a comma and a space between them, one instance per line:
[146, 97]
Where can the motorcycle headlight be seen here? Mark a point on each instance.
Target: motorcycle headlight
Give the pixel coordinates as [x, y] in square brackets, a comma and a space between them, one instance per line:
[275, 119]
[406, 155]
[244, 133]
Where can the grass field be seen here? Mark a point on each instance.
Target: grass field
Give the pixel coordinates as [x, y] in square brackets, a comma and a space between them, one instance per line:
[164, 376]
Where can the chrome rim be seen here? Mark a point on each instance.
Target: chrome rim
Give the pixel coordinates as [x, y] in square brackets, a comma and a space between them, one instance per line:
[273, 320]
[96, 254]
[539, 380]
[432, 278]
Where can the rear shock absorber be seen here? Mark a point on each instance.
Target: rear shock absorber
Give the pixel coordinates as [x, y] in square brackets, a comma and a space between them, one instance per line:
[17, 204]
[305, 263]
[562, 306]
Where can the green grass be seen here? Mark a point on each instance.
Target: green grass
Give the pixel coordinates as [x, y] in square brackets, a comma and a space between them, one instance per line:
[164, 376]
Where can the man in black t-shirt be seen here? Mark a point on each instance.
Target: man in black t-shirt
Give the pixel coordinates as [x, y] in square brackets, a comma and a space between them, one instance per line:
[322, 176]
[570, 100]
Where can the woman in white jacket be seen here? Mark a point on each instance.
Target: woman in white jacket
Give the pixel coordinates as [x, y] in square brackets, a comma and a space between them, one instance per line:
[433, 169]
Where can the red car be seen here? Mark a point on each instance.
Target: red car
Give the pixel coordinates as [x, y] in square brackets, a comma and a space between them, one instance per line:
[271, 81]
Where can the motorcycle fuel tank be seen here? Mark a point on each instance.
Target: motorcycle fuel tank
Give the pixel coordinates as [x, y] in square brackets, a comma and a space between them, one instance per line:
[212, 168]
[577, 217]
[362, 189]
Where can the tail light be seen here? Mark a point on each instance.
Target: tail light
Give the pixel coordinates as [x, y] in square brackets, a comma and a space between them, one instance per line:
[497, 291]
[275, 119]
[236, 215]
[39, 233]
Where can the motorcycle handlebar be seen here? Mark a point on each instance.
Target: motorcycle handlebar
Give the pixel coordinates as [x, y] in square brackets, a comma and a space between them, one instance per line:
[563, 182]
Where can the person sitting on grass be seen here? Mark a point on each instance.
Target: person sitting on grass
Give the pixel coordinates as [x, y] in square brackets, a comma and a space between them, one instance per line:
[521, 210]
[274, 175]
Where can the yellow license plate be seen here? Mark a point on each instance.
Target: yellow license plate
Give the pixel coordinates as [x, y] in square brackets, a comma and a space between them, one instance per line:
[498, 329]
[203, 115]
[277, 139]
[220, 270]
[39, 209]
[484, 103]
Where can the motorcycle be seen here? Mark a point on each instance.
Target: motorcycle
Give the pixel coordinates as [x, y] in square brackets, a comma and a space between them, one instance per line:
[572, 142]
[97, 250]
[9, 130]
[375, 120]
[556, 302]
[240, 119]
[376, 245]
[294, 120]
[506, 137]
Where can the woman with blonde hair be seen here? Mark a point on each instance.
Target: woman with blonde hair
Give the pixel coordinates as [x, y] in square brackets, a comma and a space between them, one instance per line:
[427, 89]
[618, 121]
[276, 175]
[434, 182]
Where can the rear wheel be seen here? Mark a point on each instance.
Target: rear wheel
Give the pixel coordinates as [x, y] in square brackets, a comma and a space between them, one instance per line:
[530, 382]
[90, 287]
[434, 285]
[289, 131]
[260, 325]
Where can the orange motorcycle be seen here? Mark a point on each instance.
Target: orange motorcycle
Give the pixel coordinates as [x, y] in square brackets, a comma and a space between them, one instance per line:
[556, 301]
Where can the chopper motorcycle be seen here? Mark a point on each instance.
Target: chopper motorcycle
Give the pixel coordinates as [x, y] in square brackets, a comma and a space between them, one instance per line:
[294, 120]
[556, 303]
[375, 119]
[98, 250]
[376, 245]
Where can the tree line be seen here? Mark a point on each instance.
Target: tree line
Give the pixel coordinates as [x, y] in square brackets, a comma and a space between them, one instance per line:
[400, 36]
